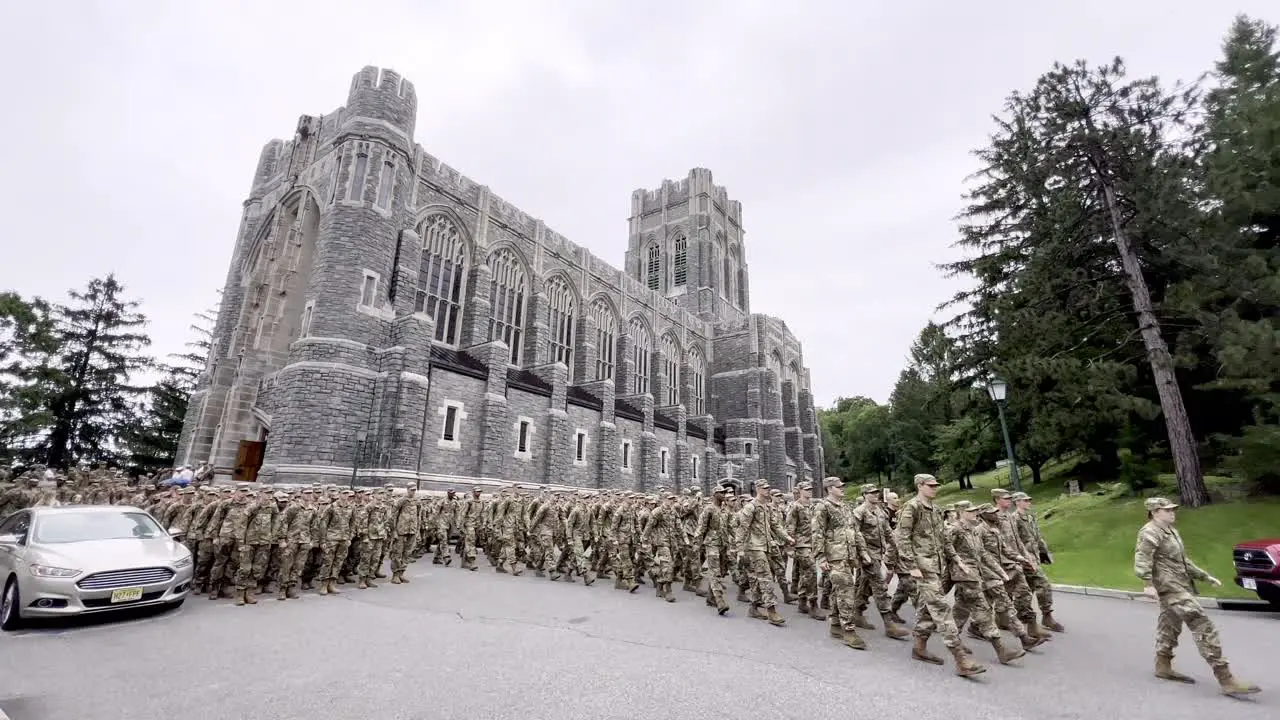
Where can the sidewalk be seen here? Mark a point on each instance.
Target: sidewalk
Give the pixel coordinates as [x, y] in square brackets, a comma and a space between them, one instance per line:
[1209, 602]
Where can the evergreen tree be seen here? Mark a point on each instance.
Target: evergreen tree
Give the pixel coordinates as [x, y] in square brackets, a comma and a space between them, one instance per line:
[28, 350]
[1085, 204]
[93, 403]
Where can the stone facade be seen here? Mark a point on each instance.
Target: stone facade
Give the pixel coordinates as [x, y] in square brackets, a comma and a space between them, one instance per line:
[385, 317]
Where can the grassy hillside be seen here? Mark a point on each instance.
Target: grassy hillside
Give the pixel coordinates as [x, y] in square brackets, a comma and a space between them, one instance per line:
[1092, 535]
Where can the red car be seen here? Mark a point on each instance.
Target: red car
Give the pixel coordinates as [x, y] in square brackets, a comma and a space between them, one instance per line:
[1258, 568]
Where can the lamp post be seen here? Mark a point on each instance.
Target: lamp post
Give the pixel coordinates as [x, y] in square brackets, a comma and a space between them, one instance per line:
[998, 389]
[355, 463]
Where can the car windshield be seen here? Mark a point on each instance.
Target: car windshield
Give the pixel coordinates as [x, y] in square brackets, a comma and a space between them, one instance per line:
[71, 527]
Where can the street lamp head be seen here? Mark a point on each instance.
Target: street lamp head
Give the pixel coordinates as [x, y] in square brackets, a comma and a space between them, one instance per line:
[361, 436]
[998, 389]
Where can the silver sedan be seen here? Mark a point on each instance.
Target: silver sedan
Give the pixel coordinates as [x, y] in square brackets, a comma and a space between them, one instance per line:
[77, 559]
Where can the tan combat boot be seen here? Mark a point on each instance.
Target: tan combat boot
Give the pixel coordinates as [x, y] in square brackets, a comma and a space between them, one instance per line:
[283, 593]
[1232, 686]
[293, 591]
[369, 581]
[742, 596]
[332, 585]
[893, 630]
[774, 618]
[667, 594]
[403, 580]
[395, 577]
[920, 651]
[1050, 624]
[1165, 671]
[324, 588]
[213, 591]
[1034, 629]
[1029, 642]
[240, 597]
[589, 580]
[853, 640]
[834, 630]
[817, 613]
[1005, 653]
[381, 574]
[754, 612]
[803, 608]
[965, 666]
[249, 599]
[363, 584]
[787, 596]
[860, 621]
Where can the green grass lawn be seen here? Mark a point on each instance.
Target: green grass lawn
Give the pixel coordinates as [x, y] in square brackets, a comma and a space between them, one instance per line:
[1092, 535]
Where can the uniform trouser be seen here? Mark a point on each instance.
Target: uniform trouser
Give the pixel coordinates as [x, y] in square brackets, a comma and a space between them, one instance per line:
[333, 554]
[1042, 589]
[715, 573]
[740, 577]
[253, 565]
[692, 563]
[545, 548]
[1020, 594]
[972, 606]
[842, 596]
[1002, 609]
[906, 590]
[871, 585]
[622, 564]
[777, 566]
[401, 548]
[604, 555]
[352, 558]
[663, 564]
[1180, 608]
[933, 613]
[508, 553]
[204, 561]
[467, 543]
[293, 559]
[577, 556]
[804, 574]
[442, 544]
[273, 565]
[370, 557]
[223, 549]
[760, 576]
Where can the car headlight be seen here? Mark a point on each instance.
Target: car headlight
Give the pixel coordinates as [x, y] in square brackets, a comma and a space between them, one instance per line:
[46, 571]
[184, 562]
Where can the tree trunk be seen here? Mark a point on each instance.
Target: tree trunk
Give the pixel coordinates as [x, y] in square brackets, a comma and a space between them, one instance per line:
[1182, 441]
[1035, 472]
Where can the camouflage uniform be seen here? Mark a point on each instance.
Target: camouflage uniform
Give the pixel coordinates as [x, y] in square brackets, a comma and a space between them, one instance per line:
[406, 516]
[924, 553]
[1160, 561]
[335, 526]
[295, 543]
[625, 531]
[377, 522]
[838, 549]
[578, 530]
[228, 536]
[804, 574]
[966, 574]
[1029, 533]
[758, 532]
[712, 534]
[662, 533]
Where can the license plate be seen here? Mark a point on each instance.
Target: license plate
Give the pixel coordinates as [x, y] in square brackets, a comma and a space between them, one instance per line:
[1249, 583]
[126, 595]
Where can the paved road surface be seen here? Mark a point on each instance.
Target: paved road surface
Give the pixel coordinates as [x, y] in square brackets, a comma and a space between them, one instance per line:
[483, 646]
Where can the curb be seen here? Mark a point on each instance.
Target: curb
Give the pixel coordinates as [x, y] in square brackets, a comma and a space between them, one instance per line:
[1209, 602]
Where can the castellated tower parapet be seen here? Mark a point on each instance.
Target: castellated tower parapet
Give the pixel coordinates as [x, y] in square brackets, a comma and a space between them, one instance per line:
[382, 104]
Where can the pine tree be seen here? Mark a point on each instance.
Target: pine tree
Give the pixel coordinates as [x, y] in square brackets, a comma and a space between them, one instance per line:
[1086, 198]
[93, 403]
[28, 368]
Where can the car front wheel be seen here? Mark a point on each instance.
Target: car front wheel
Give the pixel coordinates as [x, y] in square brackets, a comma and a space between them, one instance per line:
[10, 616]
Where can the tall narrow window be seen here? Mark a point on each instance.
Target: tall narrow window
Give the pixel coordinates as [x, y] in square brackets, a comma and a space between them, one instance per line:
[640, 348]
[580, 451]
[662, 462]
[386, 183]
[506, 302]
[694, 464]
[336, 180]
[356, 191]
[561, 320]
[606, 339]
[441, 275]
[304, 328]
[731, 276]
[450, 430]
[680, 266]
[369, 289]
[697, 382]
[653, 267]
[626, 455]
[522, 445]
[671, 368]
[748, 449]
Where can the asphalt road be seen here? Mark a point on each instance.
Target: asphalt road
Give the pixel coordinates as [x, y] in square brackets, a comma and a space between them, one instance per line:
[483, 646]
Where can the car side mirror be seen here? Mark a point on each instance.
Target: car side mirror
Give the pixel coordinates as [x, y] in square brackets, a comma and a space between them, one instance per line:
[11, 539]
[177, 533]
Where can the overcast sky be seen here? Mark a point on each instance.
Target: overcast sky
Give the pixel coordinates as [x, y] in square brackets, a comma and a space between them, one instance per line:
[133, 128]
